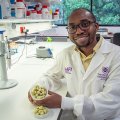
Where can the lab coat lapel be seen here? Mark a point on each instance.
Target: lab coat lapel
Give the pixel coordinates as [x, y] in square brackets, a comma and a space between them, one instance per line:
[96, 61]
[78, 64]
[98, 58]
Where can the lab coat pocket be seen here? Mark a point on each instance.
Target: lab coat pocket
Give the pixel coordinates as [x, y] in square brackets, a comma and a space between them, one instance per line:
[98, 85]
[68, 76]
[101, 78]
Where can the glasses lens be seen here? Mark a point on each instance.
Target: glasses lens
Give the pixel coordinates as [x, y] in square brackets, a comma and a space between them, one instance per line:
[84, 24]
[71, 29]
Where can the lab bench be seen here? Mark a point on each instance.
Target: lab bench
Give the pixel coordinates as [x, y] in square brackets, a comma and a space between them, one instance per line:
[14, 103]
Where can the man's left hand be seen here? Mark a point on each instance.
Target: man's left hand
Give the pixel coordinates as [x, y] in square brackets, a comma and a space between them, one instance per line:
[53, 100]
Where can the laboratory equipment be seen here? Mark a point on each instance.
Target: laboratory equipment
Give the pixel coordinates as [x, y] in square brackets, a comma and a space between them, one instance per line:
[4, 82]
[43, 52]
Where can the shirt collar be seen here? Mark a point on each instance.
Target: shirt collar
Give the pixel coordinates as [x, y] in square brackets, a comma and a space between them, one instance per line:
[97, 46]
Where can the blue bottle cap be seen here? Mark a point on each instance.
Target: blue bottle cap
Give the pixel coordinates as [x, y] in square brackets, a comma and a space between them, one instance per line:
[1, 31]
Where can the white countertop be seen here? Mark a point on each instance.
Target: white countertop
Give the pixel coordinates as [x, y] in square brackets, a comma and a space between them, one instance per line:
[14, 103]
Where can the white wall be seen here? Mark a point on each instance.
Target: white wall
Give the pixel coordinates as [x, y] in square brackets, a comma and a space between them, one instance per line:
[112, 29]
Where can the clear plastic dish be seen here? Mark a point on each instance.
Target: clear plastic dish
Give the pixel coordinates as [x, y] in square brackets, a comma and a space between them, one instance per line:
[42, 114]
[38, 92]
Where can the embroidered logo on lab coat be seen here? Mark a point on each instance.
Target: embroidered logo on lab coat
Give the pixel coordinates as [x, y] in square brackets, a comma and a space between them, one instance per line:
[68, 70]
[104, 74]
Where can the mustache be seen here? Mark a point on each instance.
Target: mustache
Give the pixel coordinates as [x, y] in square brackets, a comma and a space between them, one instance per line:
[80, 36]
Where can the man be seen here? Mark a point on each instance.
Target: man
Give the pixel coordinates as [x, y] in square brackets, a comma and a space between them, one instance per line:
[92, 71]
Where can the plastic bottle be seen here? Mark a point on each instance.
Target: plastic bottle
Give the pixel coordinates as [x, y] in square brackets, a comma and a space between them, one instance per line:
[55, 16]
[57, 11]
[8, 9]
[38, 6]
[20, 9]
[50, 13]
[39, 14]
[28, 13]
[13, 14]
[33, 14]
[12, 1]
[5, 7]
[45, 12]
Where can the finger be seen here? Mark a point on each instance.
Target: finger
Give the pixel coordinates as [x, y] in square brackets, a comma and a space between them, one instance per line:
[50, 92]
[29, 97]
[38, 102]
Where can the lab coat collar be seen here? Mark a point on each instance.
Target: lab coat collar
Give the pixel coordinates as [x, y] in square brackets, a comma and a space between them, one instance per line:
[106, 46]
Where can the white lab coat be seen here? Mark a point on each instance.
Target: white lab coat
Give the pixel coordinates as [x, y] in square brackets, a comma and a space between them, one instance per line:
[96, 92]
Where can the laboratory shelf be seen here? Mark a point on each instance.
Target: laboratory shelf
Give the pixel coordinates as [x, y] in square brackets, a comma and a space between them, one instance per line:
[5, 21]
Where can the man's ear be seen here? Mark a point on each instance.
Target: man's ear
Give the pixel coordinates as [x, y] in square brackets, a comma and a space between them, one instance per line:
[97, 26]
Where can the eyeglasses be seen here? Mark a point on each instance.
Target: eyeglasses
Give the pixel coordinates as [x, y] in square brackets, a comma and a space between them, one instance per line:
[84, 25]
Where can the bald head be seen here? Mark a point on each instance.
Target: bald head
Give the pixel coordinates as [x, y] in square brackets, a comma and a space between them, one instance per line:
[83, 12]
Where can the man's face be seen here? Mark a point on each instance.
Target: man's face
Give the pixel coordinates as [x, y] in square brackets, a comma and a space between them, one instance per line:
[82, 28]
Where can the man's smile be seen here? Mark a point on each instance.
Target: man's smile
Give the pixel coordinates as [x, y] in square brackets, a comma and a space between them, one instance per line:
[81, 38]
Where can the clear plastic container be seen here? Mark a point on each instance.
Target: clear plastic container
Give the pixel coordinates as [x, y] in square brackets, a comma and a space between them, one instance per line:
[13, 14]
[55, 16]
[57, 11]
[20, 10]
[41, 112]
[28, 13]
[39, 14]
[38, 92]
[45, 12]
[38, 6]
[33, 14]
[5, 8]
[50, 14]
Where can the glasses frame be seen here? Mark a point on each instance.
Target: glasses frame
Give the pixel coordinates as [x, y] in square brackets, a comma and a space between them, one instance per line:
[80, 26]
